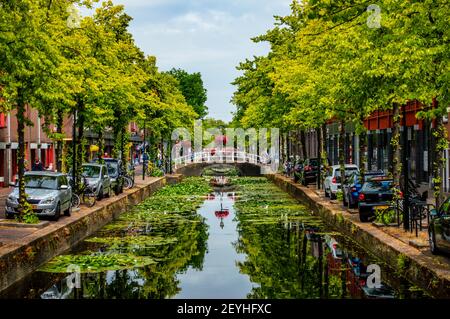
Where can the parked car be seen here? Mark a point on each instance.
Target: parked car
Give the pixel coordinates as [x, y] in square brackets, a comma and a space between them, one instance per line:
[49, 193]
[352, 187]
[307, 172]
[376, 192]
[114, 168]
[98, 179]
[439, 230]
[332, 182]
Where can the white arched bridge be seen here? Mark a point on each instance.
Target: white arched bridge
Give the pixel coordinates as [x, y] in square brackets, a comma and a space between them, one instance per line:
[248, 164]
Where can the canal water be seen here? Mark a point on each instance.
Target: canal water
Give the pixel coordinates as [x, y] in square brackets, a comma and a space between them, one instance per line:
[248, 240]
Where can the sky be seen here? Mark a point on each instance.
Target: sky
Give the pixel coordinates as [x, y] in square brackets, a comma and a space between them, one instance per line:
[206, 36]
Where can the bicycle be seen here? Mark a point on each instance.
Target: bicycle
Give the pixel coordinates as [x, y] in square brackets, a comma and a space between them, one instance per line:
[127, 182]
[88, 196]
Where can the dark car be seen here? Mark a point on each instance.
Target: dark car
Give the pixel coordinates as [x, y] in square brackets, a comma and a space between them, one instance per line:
[439, 230]
[375, 193]
[352, 187]
[307, 172]
[115, 174]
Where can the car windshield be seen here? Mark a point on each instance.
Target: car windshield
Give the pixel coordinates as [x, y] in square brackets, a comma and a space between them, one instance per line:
[314, 162]
[348, 172]
[44, 182]
[112, 168]
[91, 171]
[378, 186]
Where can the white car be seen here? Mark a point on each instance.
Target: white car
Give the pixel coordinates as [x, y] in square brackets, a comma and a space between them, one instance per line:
[332, 182]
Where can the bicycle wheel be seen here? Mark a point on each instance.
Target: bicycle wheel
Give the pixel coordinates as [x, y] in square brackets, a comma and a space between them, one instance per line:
[89, 199]
[127, 183]
[75, 201]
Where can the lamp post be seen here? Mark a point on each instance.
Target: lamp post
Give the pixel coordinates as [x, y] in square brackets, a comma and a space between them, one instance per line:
[405, 173]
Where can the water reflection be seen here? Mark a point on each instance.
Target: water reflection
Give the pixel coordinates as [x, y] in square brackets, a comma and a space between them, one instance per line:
[251, 242]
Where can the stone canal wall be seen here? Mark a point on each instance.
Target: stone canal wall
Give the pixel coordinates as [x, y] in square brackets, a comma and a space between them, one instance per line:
[23, 256]
[422, 269]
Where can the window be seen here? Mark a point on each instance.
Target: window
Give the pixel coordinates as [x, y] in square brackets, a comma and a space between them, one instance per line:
[91, 171]
[44, 182]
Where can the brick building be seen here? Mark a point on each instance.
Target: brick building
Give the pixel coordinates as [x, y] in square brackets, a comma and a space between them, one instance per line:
[38, 144]
[379, 150]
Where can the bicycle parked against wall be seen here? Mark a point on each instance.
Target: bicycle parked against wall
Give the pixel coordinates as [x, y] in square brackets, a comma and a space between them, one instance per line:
[86, 195]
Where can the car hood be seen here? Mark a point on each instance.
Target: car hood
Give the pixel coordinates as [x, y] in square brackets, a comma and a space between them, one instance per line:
[92, 181]
[35, 193]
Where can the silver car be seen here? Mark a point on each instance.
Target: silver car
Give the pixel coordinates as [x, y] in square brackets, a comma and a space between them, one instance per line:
[49, 193]
[98, 179]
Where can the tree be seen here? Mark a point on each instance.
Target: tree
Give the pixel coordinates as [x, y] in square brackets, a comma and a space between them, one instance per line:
[28, 60]
[193, 90]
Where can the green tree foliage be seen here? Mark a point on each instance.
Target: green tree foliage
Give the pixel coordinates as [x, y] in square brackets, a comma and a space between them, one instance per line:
[191, 85]
[89, 67]
[328, 61]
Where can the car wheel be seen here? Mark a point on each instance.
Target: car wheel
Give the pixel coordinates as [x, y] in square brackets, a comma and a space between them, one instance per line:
[326, 193]
[9, 216]
[432, 240]
[350, 204]
[68, 211]
[332, 196]
[57, 213]
[344, 201]
[100, 194]
[363, 218]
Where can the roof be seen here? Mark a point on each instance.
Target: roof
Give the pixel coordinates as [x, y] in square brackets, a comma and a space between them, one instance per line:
[92, 164]
[45, 173]
[346, 166]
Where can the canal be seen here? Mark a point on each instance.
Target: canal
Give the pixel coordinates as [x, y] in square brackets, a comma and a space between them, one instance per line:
[246, 240]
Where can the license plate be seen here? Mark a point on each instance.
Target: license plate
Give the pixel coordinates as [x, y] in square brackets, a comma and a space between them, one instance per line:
[34, 206]
[382, 207]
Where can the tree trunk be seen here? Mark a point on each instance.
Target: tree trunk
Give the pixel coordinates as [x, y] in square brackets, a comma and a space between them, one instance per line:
[59, 143]
[79, 144]
[362, 150]
[440, 145]
[342, 150]
[303, 144]
[319, 156]
[396, 146]
[101, 145]
[21, 152]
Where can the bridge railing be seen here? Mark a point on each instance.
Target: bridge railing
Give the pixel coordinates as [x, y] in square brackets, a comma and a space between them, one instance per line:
[220, 157]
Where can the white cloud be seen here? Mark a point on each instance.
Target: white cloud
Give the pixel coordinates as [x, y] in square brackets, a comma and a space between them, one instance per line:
[207, 36]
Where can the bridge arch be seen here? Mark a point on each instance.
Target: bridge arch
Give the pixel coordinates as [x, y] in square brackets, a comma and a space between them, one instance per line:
[246, 164]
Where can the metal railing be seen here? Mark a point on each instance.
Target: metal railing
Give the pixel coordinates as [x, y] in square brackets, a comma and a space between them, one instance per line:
[220, 157]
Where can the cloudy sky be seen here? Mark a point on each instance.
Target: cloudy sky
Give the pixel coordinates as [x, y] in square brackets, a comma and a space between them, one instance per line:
[207, 36]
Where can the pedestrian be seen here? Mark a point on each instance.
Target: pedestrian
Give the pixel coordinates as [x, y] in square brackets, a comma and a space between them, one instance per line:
[37, 165]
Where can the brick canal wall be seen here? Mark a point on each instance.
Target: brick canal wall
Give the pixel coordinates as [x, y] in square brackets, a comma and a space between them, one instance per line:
[23, 256]
[422, 269]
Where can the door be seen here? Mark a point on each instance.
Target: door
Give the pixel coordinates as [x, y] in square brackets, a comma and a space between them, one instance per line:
[64, 193]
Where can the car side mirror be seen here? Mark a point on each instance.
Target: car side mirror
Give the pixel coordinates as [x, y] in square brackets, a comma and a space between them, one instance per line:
[12, 184]
[64, 187]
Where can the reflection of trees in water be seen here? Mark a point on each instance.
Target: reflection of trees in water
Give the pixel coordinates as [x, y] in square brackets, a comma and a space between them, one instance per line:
[156, 280]
[282, 262]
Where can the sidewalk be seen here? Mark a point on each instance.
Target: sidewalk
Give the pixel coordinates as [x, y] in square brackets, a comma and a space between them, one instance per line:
[401, 251]
[13, 234]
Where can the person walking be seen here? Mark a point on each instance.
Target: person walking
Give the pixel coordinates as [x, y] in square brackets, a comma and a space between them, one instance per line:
[37, 165]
